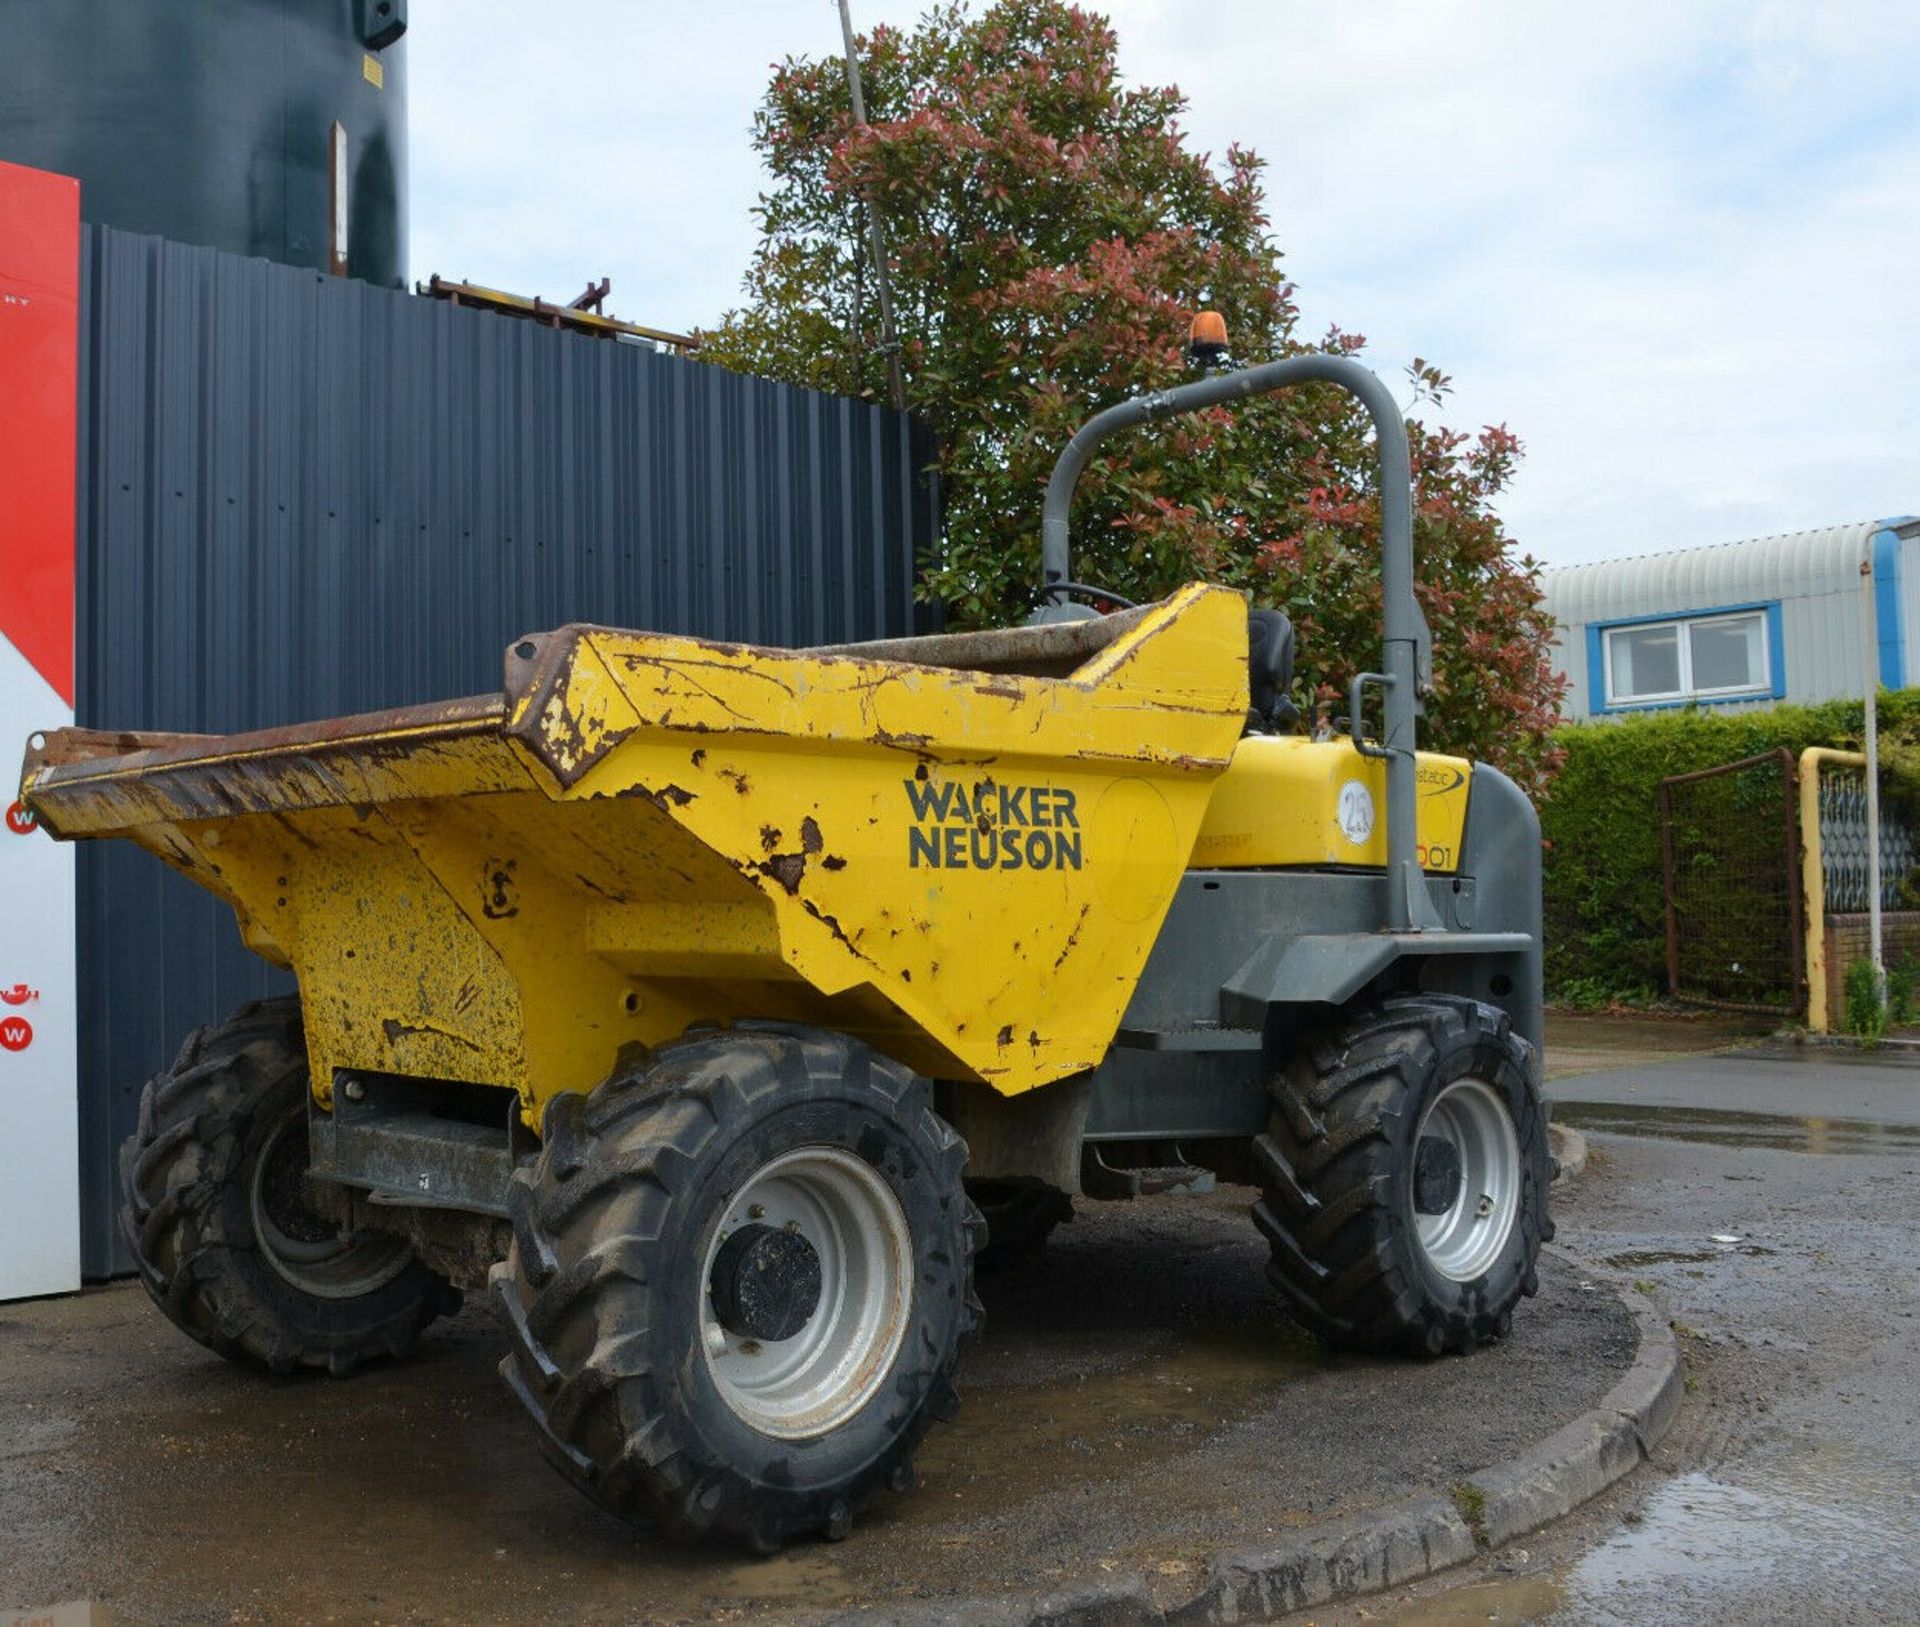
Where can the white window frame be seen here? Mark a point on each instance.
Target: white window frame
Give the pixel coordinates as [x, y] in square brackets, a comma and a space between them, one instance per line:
[1761, 685]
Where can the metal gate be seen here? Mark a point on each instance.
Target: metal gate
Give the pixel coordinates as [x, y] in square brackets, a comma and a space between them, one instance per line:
[1730, 851]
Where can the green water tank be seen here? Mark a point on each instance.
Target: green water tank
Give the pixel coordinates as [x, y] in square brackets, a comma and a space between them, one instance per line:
[247, 125]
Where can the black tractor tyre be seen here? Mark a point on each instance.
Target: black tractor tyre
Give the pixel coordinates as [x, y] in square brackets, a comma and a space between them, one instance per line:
[1353, 1166]
[213, 1211]
[617, 1283]
[1020, 1218]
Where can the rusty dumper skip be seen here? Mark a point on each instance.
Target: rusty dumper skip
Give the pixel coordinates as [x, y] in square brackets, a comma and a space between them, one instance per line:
[703, 998]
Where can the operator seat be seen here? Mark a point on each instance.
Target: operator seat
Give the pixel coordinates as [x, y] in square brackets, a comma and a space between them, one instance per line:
[1270, 673]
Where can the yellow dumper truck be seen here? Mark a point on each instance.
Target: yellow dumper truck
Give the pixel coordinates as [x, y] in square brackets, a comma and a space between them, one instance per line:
[716, 1004]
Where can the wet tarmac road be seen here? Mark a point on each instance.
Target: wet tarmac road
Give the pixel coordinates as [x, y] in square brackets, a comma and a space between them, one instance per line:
[1769, 1200]
[1137, 1401]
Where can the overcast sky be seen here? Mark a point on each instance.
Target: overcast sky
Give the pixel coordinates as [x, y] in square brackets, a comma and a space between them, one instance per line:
[1675, 246]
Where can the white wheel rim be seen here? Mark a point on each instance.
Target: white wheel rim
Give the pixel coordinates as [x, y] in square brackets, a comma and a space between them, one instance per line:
[1463, 1242]
[812, 1383]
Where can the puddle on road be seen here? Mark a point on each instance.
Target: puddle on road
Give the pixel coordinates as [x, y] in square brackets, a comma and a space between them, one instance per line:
[1632, 1259]
[1822, 1526]
[1794, 1529]
[1504, 1599]
[794, 1577]
[1720, 1128]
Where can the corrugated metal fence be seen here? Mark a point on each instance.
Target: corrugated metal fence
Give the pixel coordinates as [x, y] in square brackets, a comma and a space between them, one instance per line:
[302, 496]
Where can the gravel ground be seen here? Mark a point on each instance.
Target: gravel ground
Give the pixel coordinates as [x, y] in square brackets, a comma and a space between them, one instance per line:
[1137, 1400]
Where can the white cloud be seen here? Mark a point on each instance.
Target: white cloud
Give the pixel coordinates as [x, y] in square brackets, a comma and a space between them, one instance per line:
[616, 143]
[1672, 245]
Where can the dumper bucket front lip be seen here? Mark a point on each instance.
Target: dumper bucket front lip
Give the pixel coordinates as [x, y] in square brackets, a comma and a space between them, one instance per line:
[81, 782]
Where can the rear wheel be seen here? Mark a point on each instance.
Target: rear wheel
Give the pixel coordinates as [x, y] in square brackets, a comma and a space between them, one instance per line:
[1405, 1175]
[218, 1214]
[740, 1276]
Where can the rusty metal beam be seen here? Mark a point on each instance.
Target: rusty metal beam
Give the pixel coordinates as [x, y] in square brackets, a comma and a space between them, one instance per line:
[574, 318]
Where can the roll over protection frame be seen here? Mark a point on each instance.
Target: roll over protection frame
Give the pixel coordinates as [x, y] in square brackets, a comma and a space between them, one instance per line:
[1406, 643]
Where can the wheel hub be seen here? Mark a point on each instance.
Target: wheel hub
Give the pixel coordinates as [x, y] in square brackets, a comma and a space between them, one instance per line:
[1436, 1176]
[312, 1252]
[765, 1282]
[807, 1292]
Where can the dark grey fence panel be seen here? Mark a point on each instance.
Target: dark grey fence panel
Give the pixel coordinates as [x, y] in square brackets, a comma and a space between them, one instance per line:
[301, 496]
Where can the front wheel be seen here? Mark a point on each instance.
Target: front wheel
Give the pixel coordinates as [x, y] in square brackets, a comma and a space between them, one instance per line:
[740, 1275]
[1405, 1175]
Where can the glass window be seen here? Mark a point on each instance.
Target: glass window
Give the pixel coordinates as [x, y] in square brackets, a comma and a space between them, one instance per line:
[1646, 661]
[1687, 657]
[1727, 653]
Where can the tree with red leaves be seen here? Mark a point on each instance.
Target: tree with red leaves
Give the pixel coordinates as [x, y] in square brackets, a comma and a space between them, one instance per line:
[1050, 234]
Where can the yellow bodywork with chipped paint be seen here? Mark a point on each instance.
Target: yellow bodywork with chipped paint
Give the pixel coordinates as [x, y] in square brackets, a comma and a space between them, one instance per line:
[966, 867]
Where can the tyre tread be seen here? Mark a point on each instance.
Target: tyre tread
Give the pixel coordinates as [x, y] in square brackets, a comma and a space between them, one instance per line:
[1327, 1168]
[617, 1158]
[174, 1170]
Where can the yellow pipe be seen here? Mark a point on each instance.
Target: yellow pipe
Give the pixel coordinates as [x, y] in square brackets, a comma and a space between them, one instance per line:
[1813, 885]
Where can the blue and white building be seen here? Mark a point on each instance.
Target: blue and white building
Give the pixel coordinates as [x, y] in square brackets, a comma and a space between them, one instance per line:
[1739, 624]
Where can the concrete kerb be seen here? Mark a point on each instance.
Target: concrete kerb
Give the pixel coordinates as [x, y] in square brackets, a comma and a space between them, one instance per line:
[1569, 1149]
[1384, 1547]
[1892, 1044]
[1597, 1448]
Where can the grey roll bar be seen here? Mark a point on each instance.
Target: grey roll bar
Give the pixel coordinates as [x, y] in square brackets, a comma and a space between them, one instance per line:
[1407, 645]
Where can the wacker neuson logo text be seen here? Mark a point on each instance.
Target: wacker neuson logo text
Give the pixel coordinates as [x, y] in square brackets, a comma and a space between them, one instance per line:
[993, 827]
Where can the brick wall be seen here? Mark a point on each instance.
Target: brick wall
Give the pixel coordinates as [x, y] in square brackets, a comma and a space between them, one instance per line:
[1847, 938]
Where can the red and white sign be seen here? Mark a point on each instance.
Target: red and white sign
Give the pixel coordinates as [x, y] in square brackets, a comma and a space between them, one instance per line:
[39, 1095]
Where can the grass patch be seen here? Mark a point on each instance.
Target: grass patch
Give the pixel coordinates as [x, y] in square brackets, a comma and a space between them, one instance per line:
[1692, 1343]
[1866, 1009]
[1472, 1503]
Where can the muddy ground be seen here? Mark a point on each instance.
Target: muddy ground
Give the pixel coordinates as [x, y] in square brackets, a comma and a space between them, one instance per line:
[1137, 1399]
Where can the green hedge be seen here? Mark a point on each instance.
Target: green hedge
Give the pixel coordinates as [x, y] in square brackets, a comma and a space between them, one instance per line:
[1605, 908]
